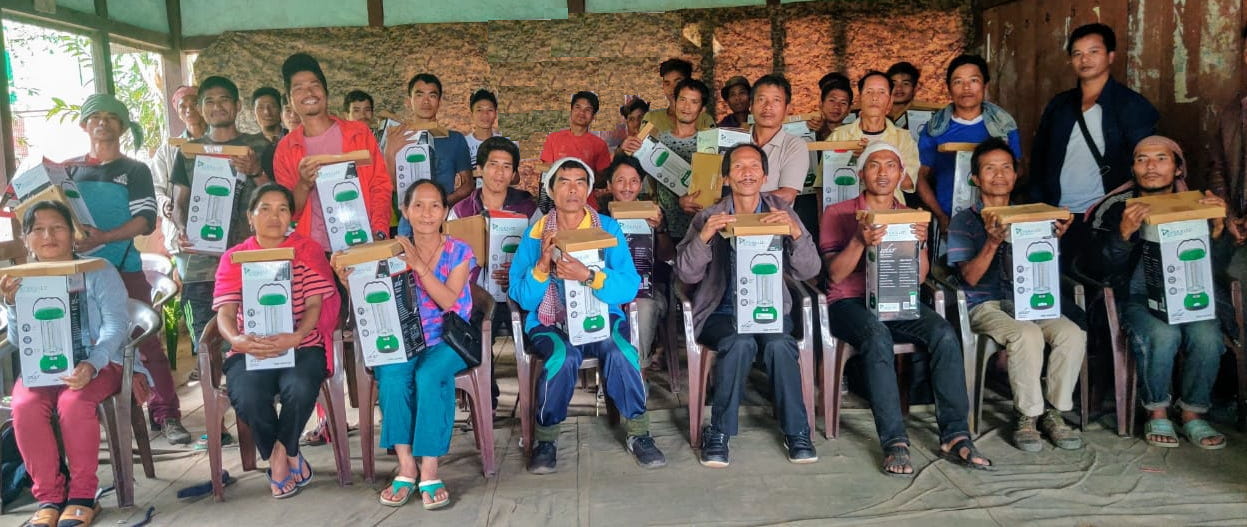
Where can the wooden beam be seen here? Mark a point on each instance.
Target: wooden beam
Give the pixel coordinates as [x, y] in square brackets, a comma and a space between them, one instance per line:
[8, 163]
[172, 73]
[173, 10]
[376, 13]
[102, 63]
[198, 42]
[83, 23]
[575, 7]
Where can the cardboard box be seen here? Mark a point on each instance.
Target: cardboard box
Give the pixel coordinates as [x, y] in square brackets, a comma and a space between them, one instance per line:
[1177, 268]
[916, 119]
[707, 178]
[387, 318]
[1034, 271]
[213, 192]
[50, 314]
[494, 236]
[191, 150]
[718, 140]
[413, 162]
[752, 225]
[1024, 213]
[342, 203]
[965, 192]
[588, 317]
[667, 168]
[631, 216]
[759, 283]
[267, 307]
[838, 170]
[892, 267]
[32, 186]
[1178, 206]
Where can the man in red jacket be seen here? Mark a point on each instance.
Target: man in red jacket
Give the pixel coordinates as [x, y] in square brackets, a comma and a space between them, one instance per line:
[322, 133]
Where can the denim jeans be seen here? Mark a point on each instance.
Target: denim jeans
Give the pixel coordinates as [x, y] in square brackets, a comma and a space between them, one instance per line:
[854, 324]
[734, 355]
[1155, 344]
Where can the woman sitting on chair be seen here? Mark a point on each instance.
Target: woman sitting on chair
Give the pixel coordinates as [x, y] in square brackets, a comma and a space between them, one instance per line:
[417, 398]
[251, 392]
[49, 236]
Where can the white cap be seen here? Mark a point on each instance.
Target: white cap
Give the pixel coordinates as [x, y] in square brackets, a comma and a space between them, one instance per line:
[875, 147]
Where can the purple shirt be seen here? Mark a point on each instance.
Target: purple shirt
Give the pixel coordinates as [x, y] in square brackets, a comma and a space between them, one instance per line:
[838, 227]
[454, 252]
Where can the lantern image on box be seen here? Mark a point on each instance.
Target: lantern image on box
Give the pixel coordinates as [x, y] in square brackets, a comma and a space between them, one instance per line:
[845, 180]
[594, 319]
[659, 158]
[49, 311]
[1040, 255]
[377, 294]
[343, 193]
[1191, 253]
[417, 156]
[764, 265]
[218, 190]
[272, 297]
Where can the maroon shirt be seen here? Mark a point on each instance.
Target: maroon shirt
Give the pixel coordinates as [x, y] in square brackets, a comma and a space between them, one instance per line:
[837, 228]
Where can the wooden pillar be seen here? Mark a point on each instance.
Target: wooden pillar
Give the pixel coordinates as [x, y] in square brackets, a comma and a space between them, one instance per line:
[101, 54]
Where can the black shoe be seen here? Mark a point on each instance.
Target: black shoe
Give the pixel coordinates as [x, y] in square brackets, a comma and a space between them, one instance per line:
[645, 452]
[713, 448]
[800, 449]
[545, 456]
[176, 433]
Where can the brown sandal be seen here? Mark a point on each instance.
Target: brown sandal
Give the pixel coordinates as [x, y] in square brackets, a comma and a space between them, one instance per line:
[78, 516]
[44, 517]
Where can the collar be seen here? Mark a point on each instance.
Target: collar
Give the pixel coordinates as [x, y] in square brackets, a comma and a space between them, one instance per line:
[762, 206]
[860, 202]
[585, 223]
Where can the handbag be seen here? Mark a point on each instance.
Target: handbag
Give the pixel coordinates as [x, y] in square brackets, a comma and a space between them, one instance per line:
[463, 337]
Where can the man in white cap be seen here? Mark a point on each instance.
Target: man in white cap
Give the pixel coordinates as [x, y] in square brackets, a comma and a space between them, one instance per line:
[843, 242]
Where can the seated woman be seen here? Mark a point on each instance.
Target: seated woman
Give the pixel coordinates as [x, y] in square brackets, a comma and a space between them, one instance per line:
[252, 392]
[417, 397]
[49, 234]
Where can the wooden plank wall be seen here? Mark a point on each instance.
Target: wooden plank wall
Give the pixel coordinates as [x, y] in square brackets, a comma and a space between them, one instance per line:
[1184, 56]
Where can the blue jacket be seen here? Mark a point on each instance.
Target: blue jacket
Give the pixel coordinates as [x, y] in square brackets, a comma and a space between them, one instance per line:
[617, 283]
[1128, 117]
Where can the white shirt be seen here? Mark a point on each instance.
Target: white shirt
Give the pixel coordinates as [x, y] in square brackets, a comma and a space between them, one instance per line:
[1081, 184]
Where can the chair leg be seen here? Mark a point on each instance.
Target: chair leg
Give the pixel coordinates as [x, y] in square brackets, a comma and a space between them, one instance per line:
[902, 382]
[246, 445]
[483, 415]
[840, 357]
[524, 406]
[1120, 391]
[831, 387]
[335, 404]
[1084, 391]
[142, 439]
[805, 359]
[670, 342]
[364, 384]
[980, 382]
[696, 393]
[120, 450]
[214, 426]
[1132, 395]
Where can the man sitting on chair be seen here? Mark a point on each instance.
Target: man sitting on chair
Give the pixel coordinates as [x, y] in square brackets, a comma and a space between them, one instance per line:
[538, 273]
[705, 257]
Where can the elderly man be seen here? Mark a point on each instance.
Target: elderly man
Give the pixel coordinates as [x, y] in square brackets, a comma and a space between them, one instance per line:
[875, 95]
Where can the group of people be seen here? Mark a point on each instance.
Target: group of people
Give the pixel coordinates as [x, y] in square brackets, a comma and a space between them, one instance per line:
[1095, 147]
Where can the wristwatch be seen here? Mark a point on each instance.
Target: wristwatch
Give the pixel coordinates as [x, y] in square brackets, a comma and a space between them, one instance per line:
[593, 275]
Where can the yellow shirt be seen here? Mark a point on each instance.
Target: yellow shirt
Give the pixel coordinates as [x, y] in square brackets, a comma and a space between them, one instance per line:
[663, 122]
[893, 135]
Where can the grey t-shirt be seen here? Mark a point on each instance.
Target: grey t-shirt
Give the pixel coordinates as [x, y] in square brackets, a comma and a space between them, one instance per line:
[1081, 184]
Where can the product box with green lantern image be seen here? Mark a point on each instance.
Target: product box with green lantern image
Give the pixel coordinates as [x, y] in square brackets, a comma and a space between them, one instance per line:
[494, 236]
[892, 267]
[965, 193]
[837, 170]
[50, 310]
[631, 216]
[1031, 259]
[667, 168]
[413, 161]
[588, 318]
[759, 277]
[342, 203]
[718, 140]
[50, 181]
[213, 187]
[387, 319]
[1177, 261]
[267, 305]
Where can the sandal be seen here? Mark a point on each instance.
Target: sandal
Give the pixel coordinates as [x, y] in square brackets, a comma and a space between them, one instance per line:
[301, 481]
[1160, 427]
[897, 457]
[431, 487]
[282, 484]
[954, 454]
[78, 515]
[1197, 430]
[397, 486]
[44, 517]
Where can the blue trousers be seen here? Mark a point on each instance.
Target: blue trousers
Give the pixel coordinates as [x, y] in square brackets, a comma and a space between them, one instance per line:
[417, 401]
[1155, 344]
[621, 371]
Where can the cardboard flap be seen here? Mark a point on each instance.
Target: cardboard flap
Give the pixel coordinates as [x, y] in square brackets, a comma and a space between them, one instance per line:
[584, 240]
[1178, 206]
[706, 178]
[368, 252]
[752, 225]
[646, 128]
[836, 146]
[801, 117]
[957, 147]
[360, 157]
[177, 141]
[50, 193]
[624, 210]
[925, 106]
[472, 230]
[65, 268]
[503, 214]
[197, 149]
[1025, 213]
[262, 255]
[894, 216]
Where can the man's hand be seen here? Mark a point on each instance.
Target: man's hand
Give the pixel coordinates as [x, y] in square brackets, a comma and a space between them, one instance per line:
[8, 288]
[248, 165]
[1217, 224]
[93, 238]
[779, 216]
[1132, 219]
[655, 220]
[259, 347]
[870, 235]
[714, 224]
[631, 145]
[502, 276]
[922, 231]
[546, 261]
[283, 341]
[944, 221]
[1060, 227]
[569, 268]
[815, 124]
[997, 233]
[688, 203]
[1238, 229]
[82, 374]
[308, 170]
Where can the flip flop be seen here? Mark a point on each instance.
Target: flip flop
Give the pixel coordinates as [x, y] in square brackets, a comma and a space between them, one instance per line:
[1197, 430]
[953, 454]
[77, 513]
[396, 486]
[431, 487]
[1160, 427]
[899, 454]
[282, 484]
[44, 517]
[298, 472]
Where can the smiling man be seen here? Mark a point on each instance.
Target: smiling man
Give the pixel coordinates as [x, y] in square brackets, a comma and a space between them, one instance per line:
[875, 95]
[576, 140]
[452, 165]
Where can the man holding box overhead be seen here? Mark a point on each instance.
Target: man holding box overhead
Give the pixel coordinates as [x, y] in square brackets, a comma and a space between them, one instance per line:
[1117, 224]
[977, 248]
[540, 275]
[707, 258]
[322, 133]
[844, 241]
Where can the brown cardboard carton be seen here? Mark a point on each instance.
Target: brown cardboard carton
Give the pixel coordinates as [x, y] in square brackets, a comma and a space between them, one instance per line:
[707, 178]
[197, 149]
[842, 146]
[625, 210]
[1178, 206]
[801, 117]
[584, 240]
[646, 129]
[471, 230]
[926, 106]
[65, 268]
[368, 252]
[177, 141]
[262, 255]
[894, 216]
[752, 225]
[360, 157]
[1025, 213]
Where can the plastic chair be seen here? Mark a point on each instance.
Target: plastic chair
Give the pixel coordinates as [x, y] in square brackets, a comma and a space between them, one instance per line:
[476, 383]
[164, 289]
[701, 358]
[155, 265]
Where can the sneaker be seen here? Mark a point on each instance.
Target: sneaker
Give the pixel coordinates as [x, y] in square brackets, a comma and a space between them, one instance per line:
[544, 458]
[645, 452]
[800, 449]
[1025, 436]
[1054, 426]
[714, 451]
[175, 432]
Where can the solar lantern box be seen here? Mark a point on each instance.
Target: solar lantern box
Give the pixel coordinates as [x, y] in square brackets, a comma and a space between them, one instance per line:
[413, 162]
[759, 273]
[387, 318]
[267, 300]
[718, 140]
[1177, 256]
[50, 315]
[342, 200]
[214, 186]
[588, 317]
[494, 236]
[893, 267]
[632, 216]
[51, 181]
[838, 173]
[1033, 270]
[965, 192]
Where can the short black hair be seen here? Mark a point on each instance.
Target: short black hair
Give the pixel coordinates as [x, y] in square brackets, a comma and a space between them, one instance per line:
[992, 144]
[622, 159]
[265, 189]
[411, 191]
[588, 96]
[356, 96]
[963, 60]
[498, 143]
[300, 62]
[570, 164]
[776, 80]
[217, 81]
[861, 83]
[695, 85]
[637, 103]
[266, 91]
[673, 64]
[727, 158]
[481, 95]
[904, 68]
[1105, 32]
[28, 219]
[834, 81]
[427, 78]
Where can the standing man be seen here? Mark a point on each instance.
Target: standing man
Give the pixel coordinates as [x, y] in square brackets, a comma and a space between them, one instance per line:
[904, 77]
[788, 157]
[736, 94]
[835, 96]
[1229, 173]
[266, 104]
[673, 71]
[184, 99]
[576, 140]
[452, 169]
[358, 106]
[484, 107]
[875, 91]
